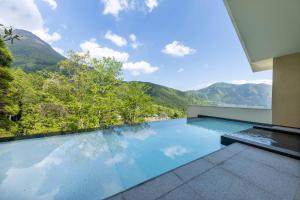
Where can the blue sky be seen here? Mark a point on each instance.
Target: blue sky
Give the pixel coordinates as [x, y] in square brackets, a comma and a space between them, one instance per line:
[181, 44]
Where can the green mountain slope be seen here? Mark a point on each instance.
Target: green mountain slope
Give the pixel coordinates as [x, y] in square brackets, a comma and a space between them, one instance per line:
[171, 97]
[245, 95]
[33, 54]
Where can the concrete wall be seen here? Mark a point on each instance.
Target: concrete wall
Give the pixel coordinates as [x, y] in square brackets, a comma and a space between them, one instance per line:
[244, 114]
[286, 91]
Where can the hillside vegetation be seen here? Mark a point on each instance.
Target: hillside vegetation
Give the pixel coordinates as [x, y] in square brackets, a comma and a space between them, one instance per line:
[46, 92]
[171, 97]
[84, 93]
[33, 54]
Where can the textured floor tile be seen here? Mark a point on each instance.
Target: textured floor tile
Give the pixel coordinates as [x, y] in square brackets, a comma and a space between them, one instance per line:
[184, 192]
[280, 184]
[219, 156]
[279, 162]
[297, 195]
[193, 169]
[154, 188]
[218, 183]
[236, 147]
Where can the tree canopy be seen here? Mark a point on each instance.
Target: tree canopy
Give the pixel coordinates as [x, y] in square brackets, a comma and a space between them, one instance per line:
[85, 93]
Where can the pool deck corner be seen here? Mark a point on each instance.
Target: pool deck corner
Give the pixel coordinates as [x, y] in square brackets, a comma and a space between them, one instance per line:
[237, 171]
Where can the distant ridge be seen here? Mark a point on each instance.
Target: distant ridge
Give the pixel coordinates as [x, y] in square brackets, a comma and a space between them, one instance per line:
[32, 54]
[170, 97]
[242, 95]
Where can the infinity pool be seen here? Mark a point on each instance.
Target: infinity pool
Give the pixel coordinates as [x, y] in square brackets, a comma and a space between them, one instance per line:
[101, 163]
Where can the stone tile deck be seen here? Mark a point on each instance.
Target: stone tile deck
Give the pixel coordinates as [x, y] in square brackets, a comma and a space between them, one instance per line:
[235, 172]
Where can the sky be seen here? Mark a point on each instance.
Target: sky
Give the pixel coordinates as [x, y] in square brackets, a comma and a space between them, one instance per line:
[180, 44]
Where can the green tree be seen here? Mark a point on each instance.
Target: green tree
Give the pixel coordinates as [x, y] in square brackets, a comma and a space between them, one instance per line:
[136, 105]
[94, 85]
[84, 93]
[5, 79]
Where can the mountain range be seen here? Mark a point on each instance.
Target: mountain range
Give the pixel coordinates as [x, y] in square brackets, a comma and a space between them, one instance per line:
[33, 54]
[242, 95]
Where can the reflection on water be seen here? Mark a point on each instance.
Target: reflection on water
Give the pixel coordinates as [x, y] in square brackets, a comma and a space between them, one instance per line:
[257, 137]
[97, 164]
[276, 139]
[219, 125]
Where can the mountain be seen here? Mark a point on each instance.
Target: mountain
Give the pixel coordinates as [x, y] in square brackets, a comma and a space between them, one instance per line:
[244, 95]
[170, 97]
[32, 54]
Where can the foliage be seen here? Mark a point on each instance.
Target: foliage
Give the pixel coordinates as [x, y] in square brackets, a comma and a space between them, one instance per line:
[172, 98]
[5, 79]
[42, 96]
[7, 34]
[84, 93]
[135, 104]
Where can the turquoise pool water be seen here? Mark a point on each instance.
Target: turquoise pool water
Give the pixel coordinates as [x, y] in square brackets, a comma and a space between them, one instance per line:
[101, 163]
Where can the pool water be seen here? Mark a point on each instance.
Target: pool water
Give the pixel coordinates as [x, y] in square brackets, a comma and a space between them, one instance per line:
[101, 163]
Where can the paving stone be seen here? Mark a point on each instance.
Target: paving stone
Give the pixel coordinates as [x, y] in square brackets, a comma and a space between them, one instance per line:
[237, 173]
[280, 184]
[193, 169]
[218, 183]
[279, 162]
[236, 147]
[297, 195]
[154, 188]
[219, 156]
[180, 193]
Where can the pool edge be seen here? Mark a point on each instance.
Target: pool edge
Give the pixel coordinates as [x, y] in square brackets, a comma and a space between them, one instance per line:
[228, 139]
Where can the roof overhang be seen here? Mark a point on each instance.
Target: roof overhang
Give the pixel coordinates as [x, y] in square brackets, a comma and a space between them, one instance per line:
[266, 28]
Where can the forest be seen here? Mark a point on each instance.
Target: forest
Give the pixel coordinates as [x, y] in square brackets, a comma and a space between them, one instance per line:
[83, 93]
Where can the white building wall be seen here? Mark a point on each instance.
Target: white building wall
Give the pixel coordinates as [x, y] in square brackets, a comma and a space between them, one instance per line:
[243, 114]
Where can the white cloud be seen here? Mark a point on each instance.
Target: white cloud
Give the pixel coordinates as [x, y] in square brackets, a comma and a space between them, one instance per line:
[138, 68]
[175, 151]
[151, 4]
[115, 159]
[51, 3]
[239, 82]
[59, 50]
[116, 39]
[134, 43]
[46, 36]
[24, 14]
[96, 51]
[177, 49]
[132, 37]
[180, 70]
[142, 134]
[113, 7]
[48, 161]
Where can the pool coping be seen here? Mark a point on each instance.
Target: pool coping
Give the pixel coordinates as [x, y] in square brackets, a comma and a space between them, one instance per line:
[236, 120]
[81, 131]
[282, 129]
[71, 132]
[229, 139]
